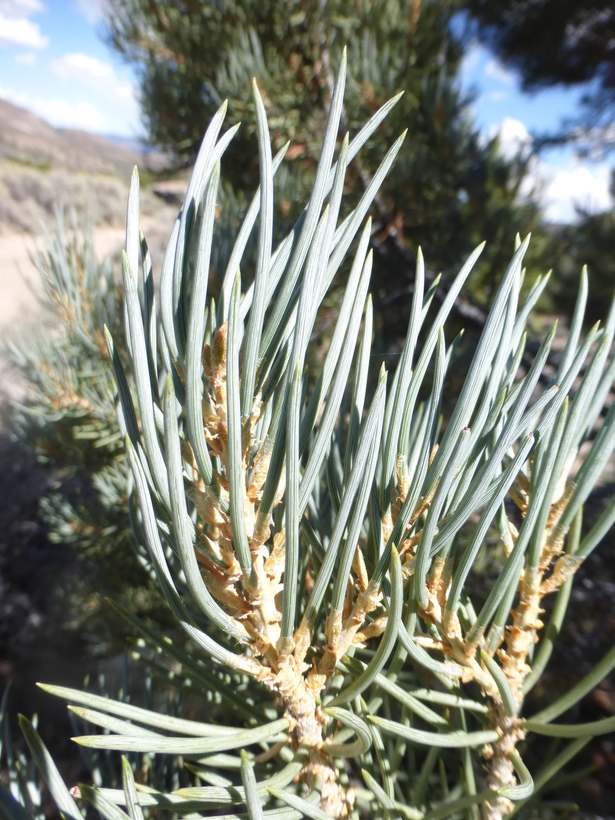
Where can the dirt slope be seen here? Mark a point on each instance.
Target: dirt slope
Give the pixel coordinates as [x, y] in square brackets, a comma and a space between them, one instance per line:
[27, 139]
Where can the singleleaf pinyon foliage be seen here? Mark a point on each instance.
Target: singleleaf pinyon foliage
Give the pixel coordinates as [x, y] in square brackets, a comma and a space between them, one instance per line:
[315, 542]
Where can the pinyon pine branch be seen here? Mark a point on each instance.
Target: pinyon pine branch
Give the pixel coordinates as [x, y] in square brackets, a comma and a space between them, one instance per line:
[317, 543]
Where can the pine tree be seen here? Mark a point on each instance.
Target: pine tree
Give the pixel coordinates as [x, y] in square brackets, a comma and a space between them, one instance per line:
[450, 189]
[558, 42]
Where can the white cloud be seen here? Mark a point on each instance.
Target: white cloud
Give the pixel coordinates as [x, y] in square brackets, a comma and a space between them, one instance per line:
[474, 55]
[29, 58]
[80, 115]
[21, 8]
[97, 75]
[513, 137]
[20, 31]
[496, 71]
[584, 186]
[559, 189]
[92, 10]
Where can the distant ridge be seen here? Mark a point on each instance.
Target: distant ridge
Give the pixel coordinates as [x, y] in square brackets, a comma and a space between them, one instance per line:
[26, 138]
[133, 144]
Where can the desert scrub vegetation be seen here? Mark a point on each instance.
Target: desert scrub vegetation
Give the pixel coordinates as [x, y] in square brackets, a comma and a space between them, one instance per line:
[30, 195]
[316, 536]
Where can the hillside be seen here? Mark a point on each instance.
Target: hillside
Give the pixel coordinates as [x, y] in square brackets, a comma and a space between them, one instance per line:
[42, 166]
[29, 140]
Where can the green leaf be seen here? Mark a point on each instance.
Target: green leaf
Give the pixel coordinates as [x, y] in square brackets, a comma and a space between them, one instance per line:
[515, 426]
[365, 133]
[301, 338]
[444, 740]
[446, 699]
[205, 676]
[547, 471]
[351, 542]
[470, 392]
[49, 771]
[128, 410]
[236, 474]
[296, 802]
[427, 436]
[183, 528]
[132, 229]
[358, 726]
[397, 398]
[319, 446]
[196, 334]
[501, 681]
[381, 796]
[136, 714]
[526, 785]
[184, 746]
[253, 801]
[213, 795]
[431, 759]
[424, 659]
[353, 300]
[552, 767]
[598, 531]
[312, 214]
[413, 704]
[359, 388]
[551, 633]
[132, 799]
[387, 642]
[107, 809]
[154, 546]
[291, 553]
[121, 727]
[464, 567]
[367, 443]
[503, 590]
[384, 764]
[202, 169]
[166, 291]
[582, 688]
[594, 729]
[532, 297]
[257, 312]
[349, 227]
[142, 381]
[240, 246]
[576, 325]
[468, 774]
[423, 552]
[592, 467]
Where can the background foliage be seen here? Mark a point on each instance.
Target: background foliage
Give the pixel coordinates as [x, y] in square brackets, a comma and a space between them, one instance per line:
[450, 190]
[69, 418]
[558, 43]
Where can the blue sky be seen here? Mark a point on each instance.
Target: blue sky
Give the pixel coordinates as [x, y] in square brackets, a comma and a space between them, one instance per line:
[54, 62]
[558, 176]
